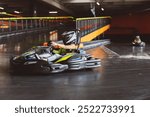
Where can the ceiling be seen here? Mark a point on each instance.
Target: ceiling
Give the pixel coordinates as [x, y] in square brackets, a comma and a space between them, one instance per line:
[76, 8]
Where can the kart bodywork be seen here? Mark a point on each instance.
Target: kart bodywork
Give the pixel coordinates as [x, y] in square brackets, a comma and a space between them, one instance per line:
[41, 59]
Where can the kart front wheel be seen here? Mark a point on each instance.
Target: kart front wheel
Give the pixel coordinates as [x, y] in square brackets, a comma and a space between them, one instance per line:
[45, 69]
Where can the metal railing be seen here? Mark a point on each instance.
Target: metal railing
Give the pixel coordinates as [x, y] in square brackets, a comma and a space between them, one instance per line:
[89, 25]
[12, 25]
[25, 24]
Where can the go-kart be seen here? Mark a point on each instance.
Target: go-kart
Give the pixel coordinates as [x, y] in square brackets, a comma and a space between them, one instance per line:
[41, 59]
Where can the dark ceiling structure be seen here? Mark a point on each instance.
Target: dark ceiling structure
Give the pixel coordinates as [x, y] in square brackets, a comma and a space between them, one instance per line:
[76, 8]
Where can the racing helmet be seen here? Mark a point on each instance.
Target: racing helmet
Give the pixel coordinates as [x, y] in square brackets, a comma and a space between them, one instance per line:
[138, 37]
[69, 37]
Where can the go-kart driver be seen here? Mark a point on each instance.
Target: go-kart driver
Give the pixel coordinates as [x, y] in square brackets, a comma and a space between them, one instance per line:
[69, 45]
[69, 41]
[137, 40]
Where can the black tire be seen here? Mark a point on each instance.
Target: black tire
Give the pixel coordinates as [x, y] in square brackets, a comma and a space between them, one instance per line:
[43, 67]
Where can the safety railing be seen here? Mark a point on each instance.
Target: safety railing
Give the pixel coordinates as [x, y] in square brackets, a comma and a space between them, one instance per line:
[92, 27]
[11, 25]
[89, 28]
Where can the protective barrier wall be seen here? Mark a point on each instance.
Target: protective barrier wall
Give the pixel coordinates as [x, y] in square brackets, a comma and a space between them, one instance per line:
[14, 25]
[90, 28]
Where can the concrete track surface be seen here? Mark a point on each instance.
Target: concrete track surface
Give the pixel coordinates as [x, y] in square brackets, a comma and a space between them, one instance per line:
[124, 75]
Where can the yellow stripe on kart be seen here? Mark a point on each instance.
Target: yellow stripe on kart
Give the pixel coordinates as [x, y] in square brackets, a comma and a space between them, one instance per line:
[65, 57]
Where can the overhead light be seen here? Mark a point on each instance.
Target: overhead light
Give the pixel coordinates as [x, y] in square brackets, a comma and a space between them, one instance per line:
[16, 12]
[35, 11]
[102, 9]
[53, 12]
[1, 8]
[98, 3]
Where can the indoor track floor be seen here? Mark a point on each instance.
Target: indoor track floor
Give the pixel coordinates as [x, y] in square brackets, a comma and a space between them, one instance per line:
[123, 75]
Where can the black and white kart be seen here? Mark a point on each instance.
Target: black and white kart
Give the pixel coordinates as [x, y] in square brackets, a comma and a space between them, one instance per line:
[41, 59]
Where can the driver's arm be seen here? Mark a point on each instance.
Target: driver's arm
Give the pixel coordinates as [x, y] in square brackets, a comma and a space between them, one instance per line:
[72, 46]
